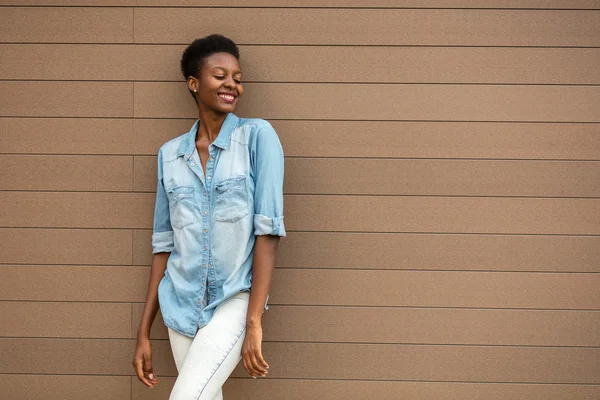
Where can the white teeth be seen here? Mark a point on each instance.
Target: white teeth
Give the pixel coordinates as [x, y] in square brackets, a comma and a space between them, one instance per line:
[227, 97]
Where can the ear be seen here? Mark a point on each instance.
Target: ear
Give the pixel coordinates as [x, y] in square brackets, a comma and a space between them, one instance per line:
[193, 84]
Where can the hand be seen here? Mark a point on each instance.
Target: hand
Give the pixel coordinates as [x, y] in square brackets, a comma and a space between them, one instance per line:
[254, 362]
[142, 362]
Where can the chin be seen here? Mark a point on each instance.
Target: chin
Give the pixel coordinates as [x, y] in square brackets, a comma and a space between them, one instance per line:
[227, 109]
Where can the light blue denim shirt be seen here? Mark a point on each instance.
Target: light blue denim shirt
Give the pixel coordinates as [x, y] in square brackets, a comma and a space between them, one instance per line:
[209, 222]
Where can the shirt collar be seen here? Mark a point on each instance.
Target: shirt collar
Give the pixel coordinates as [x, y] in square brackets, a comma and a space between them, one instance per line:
[188, 143]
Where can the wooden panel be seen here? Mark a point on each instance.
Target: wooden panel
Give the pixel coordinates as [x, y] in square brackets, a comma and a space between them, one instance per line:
[89, 62]
[66, 246]
[411, 213]
[423, 177]
[64, 387]
[571, 4]
[438, 139]
[142, 247]
[437, 177]
[535, 4]
[411, 64]
[69, 24]
[78, 320]
[317, 138]
[301, 389]
[145, 174]
[436, 289]
[403, 251]
[77, 210]
[74, 283]
[372, 27]
[72, 173]
[74, 136]
[287, 63]
[443, 214]
[419, 326]
[70, 3]
[439, 251]
[432, 326]
[327, 287]
[327, 361]
[68, 356]
[368, 102]
[66, 99]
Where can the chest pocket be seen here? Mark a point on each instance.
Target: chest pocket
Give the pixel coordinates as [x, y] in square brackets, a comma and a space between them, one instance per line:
[231, 200]
[181, 206]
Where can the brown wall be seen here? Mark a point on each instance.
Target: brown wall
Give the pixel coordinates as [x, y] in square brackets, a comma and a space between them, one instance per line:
[442, 193]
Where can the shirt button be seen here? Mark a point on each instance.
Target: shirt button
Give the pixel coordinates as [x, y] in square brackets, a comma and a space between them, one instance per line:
[211, 158]
[205, 212]
[208, 177]
[206, 230]
[192, 164]
[203, 265]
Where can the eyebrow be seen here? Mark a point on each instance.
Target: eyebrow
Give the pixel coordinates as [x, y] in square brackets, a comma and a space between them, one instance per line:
[225, 69]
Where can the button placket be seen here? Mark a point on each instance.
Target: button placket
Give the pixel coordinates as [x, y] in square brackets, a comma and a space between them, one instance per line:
[206, 217]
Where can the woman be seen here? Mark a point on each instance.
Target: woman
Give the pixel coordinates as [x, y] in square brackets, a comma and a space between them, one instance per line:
[217, 221]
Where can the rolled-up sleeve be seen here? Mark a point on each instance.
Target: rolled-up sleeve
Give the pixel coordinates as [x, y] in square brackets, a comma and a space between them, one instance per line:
[267, 169]
[162, 235]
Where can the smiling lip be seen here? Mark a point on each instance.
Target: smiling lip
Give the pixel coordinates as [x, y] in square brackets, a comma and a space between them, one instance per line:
[227, 97]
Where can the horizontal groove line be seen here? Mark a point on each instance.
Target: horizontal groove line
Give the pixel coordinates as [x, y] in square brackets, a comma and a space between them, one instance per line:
[342, 232]
[320, 45]
[302, 119]
[322, 82]
[338, 379]
[348, 8]
[309, 157]
[561, 310]
[146, 118]
[302, 45]
[322, 342]
[340, 306]
[247, 45]
[319, 194]
[286, 268]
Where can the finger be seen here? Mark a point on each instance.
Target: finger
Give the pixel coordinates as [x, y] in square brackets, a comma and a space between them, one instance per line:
[148, 369]
[244, 360]
[261, 360]
[137, 364]
[260, 370]
[248, 366]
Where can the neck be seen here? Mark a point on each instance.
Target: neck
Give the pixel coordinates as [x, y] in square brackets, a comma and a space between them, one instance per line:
[209, 125]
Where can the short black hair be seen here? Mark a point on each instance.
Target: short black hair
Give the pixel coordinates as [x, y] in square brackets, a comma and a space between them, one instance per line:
[194, 56]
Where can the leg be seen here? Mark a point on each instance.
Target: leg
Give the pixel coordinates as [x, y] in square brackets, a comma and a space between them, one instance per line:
[180, 345]
[214, 353]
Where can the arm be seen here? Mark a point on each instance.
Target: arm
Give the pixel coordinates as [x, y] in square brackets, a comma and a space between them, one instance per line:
[267, 171]
[264, 263]
[142, 358]
[162, 245]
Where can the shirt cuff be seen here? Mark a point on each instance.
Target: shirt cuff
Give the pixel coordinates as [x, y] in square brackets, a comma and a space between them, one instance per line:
[162, 242]
[264, 225]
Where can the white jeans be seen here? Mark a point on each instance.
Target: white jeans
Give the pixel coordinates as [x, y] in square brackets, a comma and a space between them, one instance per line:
[205, 361]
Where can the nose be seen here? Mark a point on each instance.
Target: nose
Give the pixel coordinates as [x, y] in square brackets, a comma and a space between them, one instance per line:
[229, 83]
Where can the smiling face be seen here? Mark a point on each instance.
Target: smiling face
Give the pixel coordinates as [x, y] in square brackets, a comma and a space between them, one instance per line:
[219, 83]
